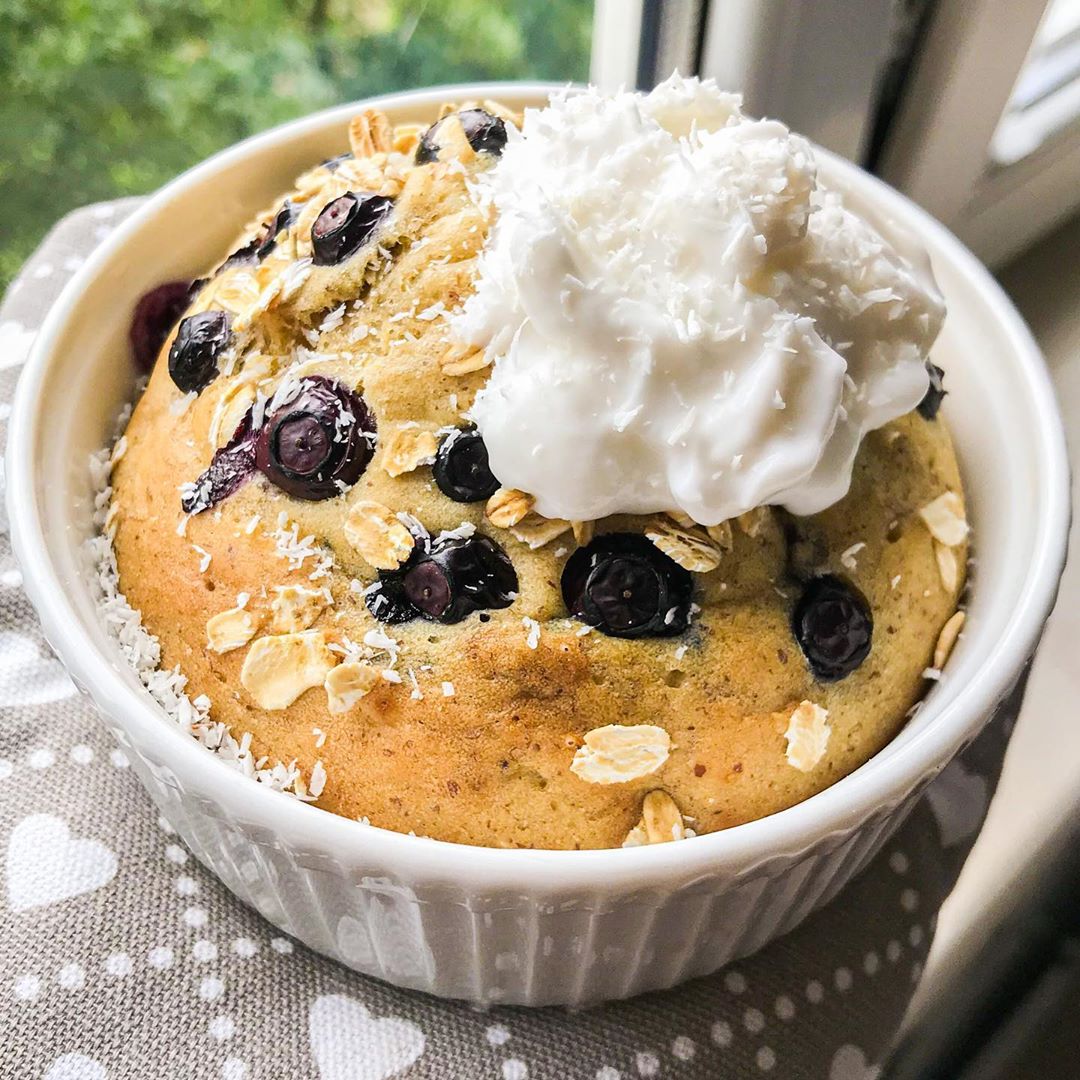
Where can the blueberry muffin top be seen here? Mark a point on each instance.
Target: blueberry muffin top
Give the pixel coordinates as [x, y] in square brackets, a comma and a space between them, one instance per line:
[469, 496]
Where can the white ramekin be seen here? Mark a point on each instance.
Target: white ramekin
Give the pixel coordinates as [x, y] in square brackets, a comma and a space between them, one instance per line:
[530, 927]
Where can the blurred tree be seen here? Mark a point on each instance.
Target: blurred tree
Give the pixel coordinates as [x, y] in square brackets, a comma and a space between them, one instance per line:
[102, 98]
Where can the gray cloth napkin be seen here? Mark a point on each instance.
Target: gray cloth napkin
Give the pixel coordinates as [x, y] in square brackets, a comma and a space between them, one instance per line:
[122, 958]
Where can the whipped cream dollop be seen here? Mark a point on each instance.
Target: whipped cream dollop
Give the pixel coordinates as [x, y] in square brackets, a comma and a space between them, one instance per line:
[680, 315]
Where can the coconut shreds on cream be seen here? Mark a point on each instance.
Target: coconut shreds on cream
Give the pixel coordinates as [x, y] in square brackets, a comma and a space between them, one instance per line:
[708, 327]
[142, 650]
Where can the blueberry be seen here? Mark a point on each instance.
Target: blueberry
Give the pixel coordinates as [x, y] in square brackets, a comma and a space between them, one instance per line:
[427, 149]
[486, 135]
[313, 447]
[461, 467]
[387, 601]
[154, 316]
[242, 256]
[428, 588]
[230, 466]
[302, 443]
[264, 241]
[928, 407]
[199, 341]
[624, 586]
[458, 576]
[444, 580]
[833, 626]
[345, 224]
[332, 164]
[318, 443]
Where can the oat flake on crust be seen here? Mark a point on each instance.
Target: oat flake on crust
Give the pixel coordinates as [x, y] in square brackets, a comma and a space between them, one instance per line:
[661, 821]
[691, 548]
[507, 507]
[616, 753]
[947, 639]
[280, 667]
[807, 736]
[945, 519]
[231, 629]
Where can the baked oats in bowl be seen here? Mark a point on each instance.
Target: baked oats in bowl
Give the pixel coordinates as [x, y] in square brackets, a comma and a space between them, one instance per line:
[542, 470]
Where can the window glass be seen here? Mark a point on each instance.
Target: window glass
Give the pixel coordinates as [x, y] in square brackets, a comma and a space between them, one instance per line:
[1046, 98]
[102, 98]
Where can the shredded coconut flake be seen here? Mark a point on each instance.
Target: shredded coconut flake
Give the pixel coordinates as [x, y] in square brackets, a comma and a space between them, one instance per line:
[433, 312]
[381, 641]
[142, 650]
[848, 557]
[461, 532]
[318, 780]
[296, 550]
[533, 627]
[333, 320]
[179, 406]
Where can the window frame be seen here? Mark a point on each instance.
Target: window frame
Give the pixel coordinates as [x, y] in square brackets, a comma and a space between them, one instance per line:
[935, 146]
[938, 150]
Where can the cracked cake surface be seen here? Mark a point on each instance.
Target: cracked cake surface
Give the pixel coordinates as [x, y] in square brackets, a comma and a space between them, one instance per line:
[307, 518]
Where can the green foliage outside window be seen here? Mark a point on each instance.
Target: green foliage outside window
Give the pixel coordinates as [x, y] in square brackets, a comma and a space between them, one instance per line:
[101, 98]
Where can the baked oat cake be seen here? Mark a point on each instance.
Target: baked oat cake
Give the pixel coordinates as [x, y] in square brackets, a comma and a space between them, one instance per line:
[375, 506]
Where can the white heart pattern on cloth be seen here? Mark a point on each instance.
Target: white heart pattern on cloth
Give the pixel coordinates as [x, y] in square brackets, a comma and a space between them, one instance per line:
[75, 1067]
[849, 1063]
[46, 864]
[28, 676]
[15, 342]
[958, 800]
[348, 1043]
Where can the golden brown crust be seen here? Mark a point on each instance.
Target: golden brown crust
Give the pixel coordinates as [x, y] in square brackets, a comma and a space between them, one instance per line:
[491, 763]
